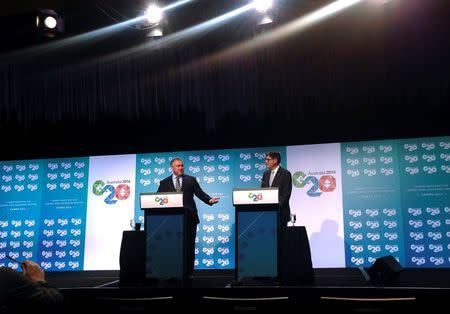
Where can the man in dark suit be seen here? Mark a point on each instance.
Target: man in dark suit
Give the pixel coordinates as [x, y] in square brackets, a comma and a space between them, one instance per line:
[281, 178]
[179, 182]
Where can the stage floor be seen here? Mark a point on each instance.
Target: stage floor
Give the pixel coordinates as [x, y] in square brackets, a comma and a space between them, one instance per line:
[324, 277]
[337, 289]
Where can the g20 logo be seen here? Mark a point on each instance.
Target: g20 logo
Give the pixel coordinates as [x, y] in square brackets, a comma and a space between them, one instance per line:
[255, 196]
[326, 183]
[120, 192]
[161, 200]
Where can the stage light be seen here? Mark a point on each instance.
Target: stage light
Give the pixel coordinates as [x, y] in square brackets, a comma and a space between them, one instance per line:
[49, 23]
[154, 14]
[155, 32]
[262, 5]
[155, 22]
[266, 19]
[265, 13]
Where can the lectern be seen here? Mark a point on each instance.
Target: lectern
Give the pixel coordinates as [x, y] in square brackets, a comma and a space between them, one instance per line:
[164, 234]
[257, 228]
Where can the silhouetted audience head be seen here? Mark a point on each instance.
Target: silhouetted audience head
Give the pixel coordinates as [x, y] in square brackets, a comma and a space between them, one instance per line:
[27, 290]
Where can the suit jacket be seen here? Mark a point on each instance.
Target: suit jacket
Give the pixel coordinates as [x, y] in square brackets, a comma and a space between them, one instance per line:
[282, 180]
[18, 293]
[189, 187]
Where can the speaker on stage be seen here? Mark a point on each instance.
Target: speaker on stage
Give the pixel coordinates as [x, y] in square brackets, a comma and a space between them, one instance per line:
[385, 270]
[295, 257]
[132, 258]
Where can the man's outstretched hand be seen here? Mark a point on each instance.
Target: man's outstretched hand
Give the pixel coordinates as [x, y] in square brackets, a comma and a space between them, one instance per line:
[214, 200]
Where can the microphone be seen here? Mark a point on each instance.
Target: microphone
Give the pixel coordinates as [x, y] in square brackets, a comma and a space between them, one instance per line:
[293, 218]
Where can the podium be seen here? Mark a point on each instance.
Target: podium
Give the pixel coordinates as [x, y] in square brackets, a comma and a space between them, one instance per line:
[165, 243]
[257, 229]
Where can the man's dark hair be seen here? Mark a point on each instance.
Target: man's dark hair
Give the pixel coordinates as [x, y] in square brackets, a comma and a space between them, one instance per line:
[274, 155]
[173, 160]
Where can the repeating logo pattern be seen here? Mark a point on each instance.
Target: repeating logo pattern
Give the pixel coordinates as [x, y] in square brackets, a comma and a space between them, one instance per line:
[250, 166]
[368, 160]
[372, 233]
[425, 168]
[372, 204]
[19, 178]
[218, 172]
[214, 241]
[428, 242]
[20, 198]
[396, 201]
[215, 172]
[61, 244]
[62, 223]
[46, 189]
[65, 176]
[150, 170]
[428, 158]
[421, 167]
[17, 239]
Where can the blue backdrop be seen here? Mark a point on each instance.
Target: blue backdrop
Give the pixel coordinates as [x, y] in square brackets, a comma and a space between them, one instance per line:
[395, 194]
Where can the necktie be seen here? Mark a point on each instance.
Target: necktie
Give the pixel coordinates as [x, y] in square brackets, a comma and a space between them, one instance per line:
[178, 185]
[272, 175]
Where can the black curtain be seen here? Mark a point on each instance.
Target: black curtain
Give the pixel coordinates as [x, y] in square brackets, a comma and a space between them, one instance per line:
[364, 74]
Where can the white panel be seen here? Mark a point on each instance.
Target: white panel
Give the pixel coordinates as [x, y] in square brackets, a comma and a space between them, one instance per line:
[105, 223]
[320, 212]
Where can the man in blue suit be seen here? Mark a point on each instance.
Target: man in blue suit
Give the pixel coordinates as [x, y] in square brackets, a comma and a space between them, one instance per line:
[180, 182]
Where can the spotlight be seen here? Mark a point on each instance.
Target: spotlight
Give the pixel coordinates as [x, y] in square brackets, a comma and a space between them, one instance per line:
[262, 5]
[265, 12]
[49, 23]
[266, 19]
[155, 32]
[154, 14]
[155, 22]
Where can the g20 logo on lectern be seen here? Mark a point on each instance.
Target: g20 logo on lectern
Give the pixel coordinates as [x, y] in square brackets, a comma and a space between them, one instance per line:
[116, 193]
[325, 183]
[255, 196]
[161, 200]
